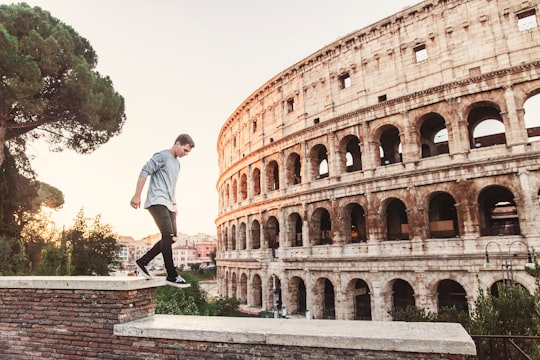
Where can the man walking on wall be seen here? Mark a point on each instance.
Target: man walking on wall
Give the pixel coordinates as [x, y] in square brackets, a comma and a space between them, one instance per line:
[163, 169]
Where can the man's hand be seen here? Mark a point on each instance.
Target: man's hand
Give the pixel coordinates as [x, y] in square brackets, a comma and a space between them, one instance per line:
[135, 202]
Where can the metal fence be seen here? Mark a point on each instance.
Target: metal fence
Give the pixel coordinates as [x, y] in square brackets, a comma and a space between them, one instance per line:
[507, 347]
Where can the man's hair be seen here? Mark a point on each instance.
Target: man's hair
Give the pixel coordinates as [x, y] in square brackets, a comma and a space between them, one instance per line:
[184, 139]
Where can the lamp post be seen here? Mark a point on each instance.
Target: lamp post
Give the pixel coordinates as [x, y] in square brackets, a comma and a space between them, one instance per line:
[507, 261]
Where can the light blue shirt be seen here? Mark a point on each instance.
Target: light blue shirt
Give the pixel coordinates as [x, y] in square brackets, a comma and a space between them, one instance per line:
[163, 169]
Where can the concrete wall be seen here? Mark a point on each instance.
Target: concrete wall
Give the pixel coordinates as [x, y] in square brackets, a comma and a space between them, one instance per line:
[113, 318]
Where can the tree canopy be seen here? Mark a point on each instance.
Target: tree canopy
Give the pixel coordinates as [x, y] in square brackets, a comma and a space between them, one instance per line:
[48, 82]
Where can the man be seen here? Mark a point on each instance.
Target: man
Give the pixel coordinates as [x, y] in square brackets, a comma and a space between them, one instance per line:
[163, 168]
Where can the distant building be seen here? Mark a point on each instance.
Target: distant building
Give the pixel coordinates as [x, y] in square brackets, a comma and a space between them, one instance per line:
[188, 249]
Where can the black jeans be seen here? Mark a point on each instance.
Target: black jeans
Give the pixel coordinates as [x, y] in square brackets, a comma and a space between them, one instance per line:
[166, 222]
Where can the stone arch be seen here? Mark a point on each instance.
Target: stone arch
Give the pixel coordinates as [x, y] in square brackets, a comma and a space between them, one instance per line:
[359, 297]
[433, 135]
[255, 234]
[242, 236]
[532, 121]
[234, 285]
[226, 238]
[318, 158]
[294, 233]
[274, 294]
[256, 181]
[235, 191]
[256, 294]
[271, 234]
[243, 187]
[354, 221]
[442, 216]
[272, 176]
[324, 299]
[320, 227]
[397, 223]
[243, 289]
[390, 145]
[350, 156]
[297, 296]
[293, 167]
[233, 237]
[227, 195]
[402, 295]
[498, 214]
[450, 294]
[485, 125]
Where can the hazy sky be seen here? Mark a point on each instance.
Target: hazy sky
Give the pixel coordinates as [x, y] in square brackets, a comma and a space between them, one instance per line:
[182, 66]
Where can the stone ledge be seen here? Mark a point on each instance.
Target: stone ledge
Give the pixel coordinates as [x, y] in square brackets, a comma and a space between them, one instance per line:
[441, 338]
[122, 283]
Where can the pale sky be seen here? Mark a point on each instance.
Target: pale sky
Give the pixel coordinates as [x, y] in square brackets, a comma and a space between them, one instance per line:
[182, 67]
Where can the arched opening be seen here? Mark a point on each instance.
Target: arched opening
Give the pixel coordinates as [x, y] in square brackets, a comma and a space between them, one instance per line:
[272, 176]
[324, 293]
[532, 118]
[233, 238]
[486, 127]
[442, 216]
[235, 191]
[234, 287]
[451, 294]
[295, 230]
[243, 187]
[294, 169]
[255, 235]
[350, 146]
[498, 212]
[242, 236]
[256, 178]
[321, 227]
[274, 293]
[272, 234]
[319, 162]
[355, 224]
[433, 135]
[390, 146]
[397, 223]
[402, 295]
[257, 291]
[362, 300]
[297, 296]
[243, 289]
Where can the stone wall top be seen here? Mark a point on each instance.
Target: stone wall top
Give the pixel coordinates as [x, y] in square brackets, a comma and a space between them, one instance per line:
[440, 338]
[80, 282]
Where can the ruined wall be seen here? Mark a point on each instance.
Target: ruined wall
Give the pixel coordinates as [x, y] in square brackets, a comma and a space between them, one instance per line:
[113, 318]
[361, 171]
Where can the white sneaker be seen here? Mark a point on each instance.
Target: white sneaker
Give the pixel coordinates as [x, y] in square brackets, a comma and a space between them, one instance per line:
[179, 282]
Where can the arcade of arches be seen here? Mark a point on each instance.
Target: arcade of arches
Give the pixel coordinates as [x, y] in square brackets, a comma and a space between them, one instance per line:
[369, 177]
[436, 214]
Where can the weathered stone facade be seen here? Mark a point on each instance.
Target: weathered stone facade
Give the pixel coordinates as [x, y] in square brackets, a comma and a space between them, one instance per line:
[381, 170]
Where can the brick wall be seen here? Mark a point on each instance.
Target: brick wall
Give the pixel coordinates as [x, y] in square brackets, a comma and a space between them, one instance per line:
[113, 318]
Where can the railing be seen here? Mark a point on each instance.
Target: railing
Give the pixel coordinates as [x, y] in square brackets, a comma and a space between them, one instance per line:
[506, 347]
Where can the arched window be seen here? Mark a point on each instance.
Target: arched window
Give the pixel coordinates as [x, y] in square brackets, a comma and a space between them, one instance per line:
[390, 146]
[433, 135]
[442, 216]
[486, 127]
[396, 220]
[498, 212]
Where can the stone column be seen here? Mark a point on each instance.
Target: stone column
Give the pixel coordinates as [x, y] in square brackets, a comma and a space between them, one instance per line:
[514, 123]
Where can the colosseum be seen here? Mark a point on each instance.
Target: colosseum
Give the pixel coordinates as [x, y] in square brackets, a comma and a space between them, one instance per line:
[395, 166]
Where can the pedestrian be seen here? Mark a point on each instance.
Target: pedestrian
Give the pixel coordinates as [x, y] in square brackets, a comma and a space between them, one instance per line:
[163, 169]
